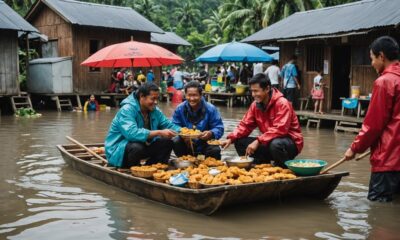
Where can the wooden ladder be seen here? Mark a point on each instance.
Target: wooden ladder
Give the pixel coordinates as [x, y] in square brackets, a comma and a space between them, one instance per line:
[62, 102]
[317, 121]
[21, 101]
[346, 126]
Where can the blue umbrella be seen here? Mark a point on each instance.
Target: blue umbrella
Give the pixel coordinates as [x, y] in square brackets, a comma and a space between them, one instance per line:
[234, 52]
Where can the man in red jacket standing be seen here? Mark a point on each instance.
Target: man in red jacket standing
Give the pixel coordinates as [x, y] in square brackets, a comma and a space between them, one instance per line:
[281, 137]
[380, 130]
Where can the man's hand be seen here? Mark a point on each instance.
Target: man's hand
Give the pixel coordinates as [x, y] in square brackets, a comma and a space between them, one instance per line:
[349, 154]
[167, 133]
[225, 143]
[206, 135]
[252, 147]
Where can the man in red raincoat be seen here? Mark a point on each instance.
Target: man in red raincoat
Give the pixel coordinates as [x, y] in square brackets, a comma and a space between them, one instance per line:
[380, 130]
[280, 138]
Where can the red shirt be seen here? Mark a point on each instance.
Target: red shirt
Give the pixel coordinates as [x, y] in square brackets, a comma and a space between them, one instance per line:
[277, 120]
[380, 130]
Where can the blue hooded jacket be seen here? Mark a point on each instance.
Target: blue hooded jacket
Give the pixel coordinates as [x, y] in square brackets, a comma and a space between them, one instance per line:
[128, 126]
[210, 118]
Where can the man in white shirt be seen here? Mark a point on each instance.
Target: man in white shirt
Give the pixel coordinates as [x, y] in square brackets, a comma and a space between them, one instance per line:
[273, 72]
[257, 68]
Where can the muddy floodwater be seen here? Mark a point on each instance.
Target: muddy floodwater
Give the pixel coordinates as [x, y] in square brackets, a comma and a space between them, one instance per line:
[41, 197]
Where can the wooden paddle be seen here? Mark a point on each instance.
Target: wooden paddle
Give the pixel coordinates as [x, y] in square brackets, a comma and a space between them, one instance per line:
[343, 160]
[87, 149]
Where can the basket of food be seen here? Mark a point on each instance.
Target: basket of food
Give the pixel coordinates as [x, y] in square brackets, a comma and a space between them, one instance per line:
[160, 166]
[306, 167]
[212, 162]
[189, 133]
[241, 162]
[143, 171]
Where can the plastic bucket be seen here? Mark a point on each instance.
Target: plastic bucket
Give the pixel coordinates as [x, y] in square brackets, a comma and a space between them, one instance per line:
[214, 82]
[240, 89]
[355, 91]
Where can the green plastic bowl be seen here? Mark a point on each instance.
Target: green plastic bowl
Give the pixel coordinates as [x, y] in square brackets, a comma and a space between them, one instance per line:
[306, 171]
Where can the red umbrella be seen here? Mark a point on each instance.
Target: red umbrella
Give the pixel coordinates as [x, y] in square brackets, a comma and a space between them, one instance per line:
[132, 54]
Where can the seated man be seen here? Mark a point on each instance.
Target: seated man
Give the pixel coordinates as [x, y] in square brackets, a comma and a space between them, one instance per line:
[281, 137]
[195, 111]
[140, 130]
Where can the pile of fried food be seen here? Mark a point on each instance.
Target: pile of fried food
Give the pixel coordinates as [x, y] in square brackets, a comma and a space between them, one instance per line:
[190, 132]
[228, 175]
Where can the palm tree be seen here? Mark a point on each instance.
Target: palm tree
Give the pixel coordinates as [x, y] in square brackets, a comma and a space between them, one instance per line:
[187, 14]
[214, 23]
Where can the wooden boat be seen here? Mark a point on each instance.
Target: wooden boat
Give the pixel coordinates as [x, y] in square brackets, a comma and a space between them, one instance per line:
[205, 201]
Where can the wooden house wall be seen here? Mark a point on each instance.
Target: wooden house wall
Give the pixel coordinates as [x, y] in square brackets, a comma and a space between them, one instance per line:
[360, 75]
[56, 28]
[94, 82]
[9, 84]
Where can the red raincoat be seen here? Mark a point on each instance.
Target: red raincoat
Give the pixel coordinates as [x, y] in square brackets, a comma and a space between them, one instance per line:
[381, 127]
[278, 120]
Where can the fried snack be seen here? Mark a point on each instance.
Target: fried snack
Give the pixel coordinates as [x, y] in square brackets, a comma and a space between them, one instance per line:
[212, 162]
[264, 165]
[287, 171]
[234, 182]
[160, 166]
[214, 142]
[188, 158]
[245, 179]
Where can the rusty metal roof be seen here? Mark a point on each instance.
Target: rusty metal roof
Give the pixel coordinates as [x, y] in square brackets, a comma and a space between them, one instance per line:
[342, 19]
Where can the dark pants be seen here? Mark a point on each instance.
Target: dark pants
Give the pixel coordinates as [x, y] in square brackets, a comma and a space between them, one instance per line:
[290, 94]
[158, 151]
[180, 148]
[383, 185]
[278, 150]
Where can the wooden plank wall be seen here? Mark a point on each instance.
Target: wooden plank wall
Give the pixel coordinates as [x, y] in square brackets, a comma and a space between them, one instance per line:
[56, 28]
[94, 82]
[9, 84]
[363, 76]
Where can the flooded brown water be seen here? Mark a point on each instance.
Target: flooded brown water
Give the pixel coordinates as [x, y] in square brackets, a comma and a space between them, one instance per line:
[41, 197]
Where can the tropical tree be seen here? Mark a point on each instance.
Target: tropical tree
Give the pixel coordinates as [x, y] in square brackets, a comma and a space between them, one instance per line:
[214, 23]
[187, 14]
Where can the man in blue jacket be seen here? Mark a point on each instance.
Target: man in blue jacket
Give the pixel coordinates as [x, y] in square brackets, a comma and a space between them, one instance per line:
[195, 111]
[140, 130]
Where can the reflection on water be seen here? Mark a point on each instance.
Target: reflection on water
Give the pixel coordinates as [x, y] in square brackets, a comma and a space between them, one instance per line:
[43, 198]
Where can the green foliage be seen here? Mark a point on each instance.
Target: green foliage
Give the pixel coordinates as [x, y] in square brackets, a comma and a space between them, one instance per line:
[22, 65]
[208, 22]
[27, 112]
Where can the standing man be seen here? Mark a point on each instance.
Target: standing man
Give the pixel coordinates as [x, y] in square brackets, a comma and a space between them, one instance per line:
[178, 79]
[273, 73]
[290, 81]
[280, 138]
[380, 130]
[195, 111]
[150, 76]
[140, 130]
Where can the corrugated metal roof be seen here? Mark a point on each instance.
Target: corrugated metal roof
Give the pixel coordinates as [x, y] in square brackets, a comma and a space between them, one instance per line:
[9, 19]
[169, 38]
[352, 17]
[99, 15]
